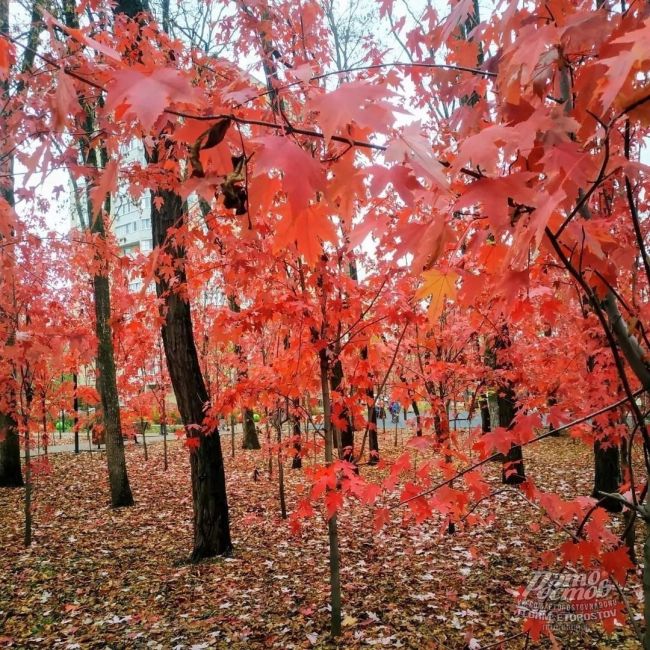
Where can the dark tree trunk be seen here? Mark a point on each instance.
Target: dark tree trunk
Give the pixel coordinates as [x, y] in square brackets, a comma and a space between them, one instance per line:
[10, 472]
[107, 388]
[629, 516]
[296, 461]
[373, 438]
[211, 522]
[607, 474]
[75, 409]
[418, 419]
[552, 401]
[27, 380]
[512, 472]
[513, 464]
[347, 440]
[281, 489]
[486, 425]
[441, 425]
[332, 524]
[607, 464]
[131, 8]
[342, 436]
[105, 360]
[251, 439]
[106, 374]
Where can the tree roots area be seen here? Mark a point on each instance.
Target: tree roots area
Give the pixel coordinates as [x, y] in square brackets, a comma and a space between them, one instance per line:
[97, 577]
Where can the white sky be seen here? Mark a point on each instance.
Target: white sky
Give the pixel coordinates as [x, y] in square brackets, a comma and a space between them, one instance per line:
[58, 217]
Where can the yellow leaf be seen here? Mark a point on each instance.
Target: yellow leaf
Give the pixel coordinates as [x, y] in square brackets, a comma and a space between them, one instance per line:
[439, 286]
[349, 621]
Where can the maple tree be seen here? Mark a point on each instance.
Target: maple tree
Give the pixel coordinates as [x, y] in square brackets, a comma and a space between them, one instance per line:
[463, 228]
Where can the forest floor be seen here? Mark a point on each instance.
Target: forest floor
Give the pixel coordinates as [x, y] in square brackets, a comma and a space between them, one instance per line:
[101, 578]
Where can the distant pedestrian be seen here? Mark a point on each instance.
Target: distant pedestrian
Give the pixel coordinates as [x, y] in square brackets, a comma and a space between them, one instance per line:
[394, 409]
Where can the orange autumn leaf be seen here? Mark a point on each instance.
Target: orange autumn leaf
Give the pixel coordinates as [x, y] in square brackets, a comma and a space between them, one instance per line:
[438, 286]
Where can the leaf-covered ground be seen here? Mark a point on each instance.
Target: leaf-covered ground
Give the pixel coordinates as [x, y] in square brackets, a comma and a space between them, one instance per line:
[102, 578]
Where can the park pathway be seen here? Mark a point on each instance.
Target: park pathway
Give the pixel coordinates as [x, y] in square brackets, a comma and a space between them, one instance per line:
[86, 446]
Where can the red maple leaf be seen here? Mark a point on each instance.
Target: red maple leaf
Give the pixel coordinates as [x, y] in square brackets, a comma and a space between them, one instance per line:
[333, 502]
[302, 175]
[381, 518]
[146, 93]
[107, 185]
[617, 563]
[307, 229]
[352, 102]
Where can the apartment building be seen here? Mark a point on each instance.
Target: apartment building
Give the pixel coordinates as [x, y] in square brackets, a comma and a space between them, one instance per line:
[130, 218]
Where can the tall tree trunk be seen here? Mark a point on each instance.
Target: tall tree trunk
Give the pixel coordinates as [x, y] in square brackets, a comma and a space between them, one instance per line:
[373, 437]
[28, 489]
[441, 422]
[250, 439]
[343, 437]
[512, 472]
[418, 418]
[484, 407]
[44, 423]
[211, 519]
[551, 401]
[281, 490]
[607, 465]
[629, 516]
[106, 374]
[607, 474]
[27, 381]
[143, 430]
[163, 412]
[232, 435]
[267, 428]
[75, 408]
[296, 461]
[513, 465]
[10, 472]
[332, 524]
[107, 388]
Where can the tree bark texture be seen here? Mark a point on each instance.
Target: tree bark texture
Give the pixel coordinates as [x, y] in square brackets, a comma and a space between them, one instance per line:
[105, 359]
[211, 519]
[513, 465]
[332, 524]
[10, 472]
[251, 439]
[107, 388]
[344, 435]
[607, 474]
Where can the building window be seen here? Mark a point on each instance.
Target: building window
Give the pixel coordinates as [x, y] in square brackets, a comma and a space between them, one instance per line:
[145, 245]
[145, 224]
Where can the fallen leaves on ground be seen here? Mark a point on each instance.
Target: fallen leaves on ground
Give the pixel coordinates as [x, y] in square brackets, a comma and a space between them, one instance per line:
[102, 578]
